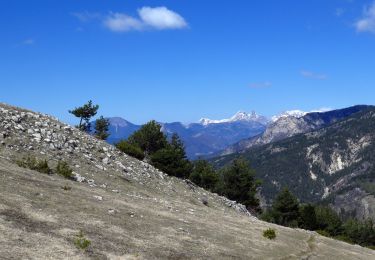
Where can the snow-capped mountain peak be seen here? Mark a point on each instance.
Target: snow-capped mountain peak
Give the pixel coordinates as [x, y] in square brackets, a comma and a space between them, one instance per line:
[239, 116]
[298, 113]
[291, 113]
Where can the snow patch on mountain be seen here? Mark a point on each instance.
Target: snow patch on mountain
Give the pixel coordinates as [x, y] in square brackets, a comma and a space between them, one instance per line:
[298, 113]
[291, 113]
[239, 116]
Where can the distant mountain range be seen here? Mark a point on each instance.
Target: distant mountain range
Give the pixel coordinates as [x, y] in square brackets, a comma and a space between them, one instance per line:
[332, 159]
[209, 138]
[291, 123]
[203, 138]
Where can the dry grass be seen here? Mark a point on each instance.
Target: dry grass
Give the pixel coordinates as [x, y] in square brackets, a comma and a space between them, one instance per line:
[39, 220]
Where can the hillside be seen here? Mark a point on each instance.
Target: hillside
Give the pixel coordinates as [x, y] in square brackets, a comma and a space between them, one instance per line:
[335, 163]
[289, 125]
[125, 207]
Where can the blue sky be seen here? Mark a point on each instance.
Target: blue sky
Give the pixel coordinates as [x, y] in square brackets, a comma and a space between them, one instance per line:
[186, 59]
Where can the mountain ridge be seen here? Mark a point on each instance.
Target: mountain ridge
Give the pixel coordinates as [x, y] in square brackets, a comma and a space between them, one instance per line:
[202, 138]
[328, 163]
[292, 124]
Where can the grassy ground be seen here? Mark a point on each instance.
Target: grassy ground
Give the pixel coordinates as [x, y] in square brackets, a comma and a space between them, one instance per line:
[41, 220]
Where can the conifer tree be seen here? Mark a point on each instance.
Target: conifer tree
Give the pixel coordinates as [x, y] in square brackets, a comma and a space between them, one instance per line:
[172, 159]
[285, 208]
[85, 113]
[149, 138]
[238, 183]
[101, 128]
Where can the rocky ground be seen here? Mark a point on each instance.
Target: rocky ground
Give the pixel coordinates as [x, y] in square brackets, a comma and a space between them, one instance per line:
[125, 207]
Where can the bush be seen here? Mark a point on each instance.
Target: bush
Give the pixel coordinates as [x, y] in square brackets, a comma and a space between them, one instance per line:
[42, 166]
[323, 233]
[81, 242]
[130, 149]
[64, 170]
[66, 188]
[32, 163]
[269, 233]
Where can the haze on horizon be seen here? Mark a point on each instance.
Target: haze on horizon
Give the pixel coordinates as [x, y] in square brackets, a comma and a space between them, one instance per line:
[181, 61]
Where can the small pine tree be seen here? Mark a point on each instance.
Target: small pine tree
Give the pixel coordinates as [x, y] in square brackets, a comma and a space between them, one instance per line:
[285, 209]
[85, 113]
[101, 128]
[63, 169]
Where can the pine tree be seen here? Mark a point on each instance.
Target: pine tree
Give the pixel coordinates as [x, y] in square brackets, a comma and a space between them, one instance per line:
[85, 113]
[285, 209]
[204, 175]
[239, 183]
[172, 159]
[101, 128]
[307, 218]
[149, 138]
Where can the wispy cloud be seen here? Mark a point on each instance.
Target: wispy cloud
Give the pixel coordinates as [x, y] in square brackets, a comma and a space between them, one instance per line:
[119, 22]
[265, 84]
[367, 22]
[26, 42]
[313, 75]
[322, 109]
[339, 12]
[86, 16]
[157, 18]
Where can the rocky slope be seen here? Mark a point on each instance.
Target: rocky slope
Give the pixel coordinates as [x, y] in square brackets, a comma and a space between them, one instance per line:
[289, 125]
[125, 207]
[335, 163]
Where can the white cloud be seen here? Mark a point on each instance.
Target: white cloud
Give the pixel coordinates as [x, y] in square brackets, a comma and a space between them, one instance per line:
[313, 75]
[118, 22]
[367, 22]
[265, 84]
[161, 18]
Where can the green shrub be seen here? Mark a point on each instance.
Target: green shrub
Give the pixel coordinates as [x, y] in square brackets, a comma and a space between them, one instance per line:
[130, 149]
[81, 242]
[64, 170]
[66, 188]
[30, 162]
[269, 233]
[323, 233]
[42, 166]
